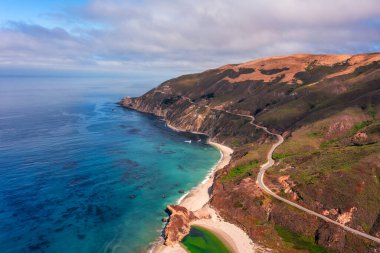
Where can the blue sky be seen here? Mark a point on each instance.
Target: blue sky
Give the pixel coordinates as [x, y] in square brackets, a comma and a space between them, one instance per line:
[140, 36]
[35, 11]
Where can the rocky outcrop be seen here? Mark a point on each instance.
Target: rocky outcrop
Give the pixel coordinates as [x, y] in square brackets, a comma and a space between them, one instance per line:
[179, 224]
[261, 88]
[346, 217]
[375, 230]
[285, 94]
[184, 115]
[331, 236]
[288, 185]
[360, 138]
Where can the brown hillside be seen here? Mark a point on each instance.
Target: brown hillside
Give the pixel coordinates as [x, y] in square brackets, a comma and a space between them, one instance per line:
[328, 109]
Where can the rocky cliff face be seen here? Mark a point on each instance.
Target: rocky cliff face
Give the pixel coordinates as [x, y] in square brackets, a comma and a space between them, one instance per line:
[282, 92]
[182, 113]
[327, 107]
[178, 225]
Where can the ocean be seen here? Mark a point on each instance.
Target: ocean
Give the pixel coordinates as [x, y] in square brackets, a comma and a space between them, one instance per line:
[78, 173]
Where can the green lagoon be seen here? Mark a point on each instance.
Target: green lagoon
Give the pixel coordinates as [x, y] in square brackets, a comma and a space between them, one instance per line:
[201, 240]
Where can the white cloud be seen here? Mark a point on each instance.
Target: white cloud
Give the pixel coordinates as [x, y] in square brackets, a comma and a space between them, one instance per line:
[193, 35]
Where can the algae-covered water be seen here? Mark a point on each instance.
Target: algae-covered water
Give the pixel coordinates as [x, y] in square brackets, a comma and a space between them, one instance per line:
[201, 240]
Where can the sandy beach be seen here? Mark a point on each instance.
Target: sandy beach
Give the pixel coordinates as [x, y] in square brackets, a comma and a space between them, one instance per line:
[197, 201]
[199, 196]
[234, 237]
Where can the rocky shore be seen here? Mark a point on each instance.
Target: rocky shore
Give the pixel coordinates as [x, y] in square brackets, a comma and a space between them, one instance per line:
[325, 106]
[178, 225]
[194, 209]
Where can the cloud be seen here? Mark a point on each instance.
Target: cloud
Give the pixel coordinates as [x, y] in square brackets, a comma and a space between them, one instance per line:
[193, 35]
[34, 45]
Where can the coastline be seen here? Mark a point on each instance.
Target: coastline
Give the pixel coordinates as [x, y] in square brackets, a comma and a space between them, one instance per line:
[199, 195]
[197, 201]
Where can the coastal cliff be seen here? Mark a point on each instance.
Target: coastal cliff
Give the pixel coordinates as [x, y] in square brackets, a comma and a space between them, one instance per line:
[327, 108]
[179, 224]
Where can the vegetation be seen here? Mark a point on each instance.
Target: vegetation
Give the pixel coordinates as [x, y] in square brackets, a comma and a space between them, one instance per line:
[324, 160]
[235, 143]
[361, 125]
[201, 240]
[371, 111]
[315, 72]
[208, 96]
[278, 156]
[327, 143]
[240, 170]
[330, 153]
[170, 100]
[272, 71]
[300, 242]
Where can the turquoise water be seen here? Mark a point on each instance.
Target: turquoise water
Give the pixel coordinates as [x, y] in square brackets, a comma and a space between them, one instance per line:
[81, 174]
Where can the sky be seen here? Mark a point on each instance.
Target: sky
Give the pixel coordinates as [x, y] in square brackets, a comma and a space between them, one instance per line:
[168, 37]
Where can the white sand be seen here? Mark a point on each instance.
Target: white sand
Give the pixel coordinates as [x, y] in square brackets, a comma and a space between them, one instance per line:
[197, 201]
[199, 196]
[233, 236]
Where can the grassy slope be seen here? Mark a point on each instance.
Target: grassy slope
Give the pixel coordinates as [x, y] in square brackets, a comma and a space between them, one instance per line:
[333, 170]
[299, 242]
[324, 168]
[320, 157]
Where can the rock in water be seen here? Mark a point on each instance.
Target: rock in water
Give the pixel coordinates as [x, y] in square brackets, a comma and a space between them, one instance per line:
[179, 224]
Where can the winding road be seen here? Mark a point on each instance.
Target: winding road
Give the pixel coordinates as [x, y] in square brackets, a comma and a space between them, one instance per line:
[261, 184]
[270, 162]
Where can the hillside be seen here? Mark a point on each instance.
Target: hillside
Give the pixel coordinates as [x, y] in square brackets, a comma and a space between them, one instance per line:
[327, 107]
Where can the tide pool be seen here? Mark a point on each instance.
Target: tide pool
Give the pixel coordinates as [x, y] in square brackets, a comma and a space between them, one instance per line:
[81, 174]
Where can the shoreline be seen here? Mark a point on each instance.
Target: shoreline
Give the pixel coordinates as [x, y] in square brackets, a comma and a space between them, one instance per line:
[199, 196]
[197, 199]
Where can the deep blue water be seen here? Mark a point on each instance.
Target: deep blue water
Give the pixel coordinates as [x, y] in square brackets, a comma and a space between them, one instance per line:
[80, 174]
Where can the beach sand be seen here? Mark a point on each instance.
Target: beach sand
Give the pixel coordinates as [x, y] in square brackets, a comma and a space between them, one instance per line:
[232, 236]
[199, 196]
[197, 201]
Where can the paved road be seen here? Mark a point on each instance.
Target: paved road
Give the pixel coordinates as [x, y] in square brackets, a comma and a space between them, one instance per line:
[261, 184]
[270, 162]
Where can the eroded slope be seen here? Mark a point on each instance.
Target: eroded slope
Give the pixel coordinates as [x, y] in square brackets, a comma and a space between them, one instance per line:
[327, 107]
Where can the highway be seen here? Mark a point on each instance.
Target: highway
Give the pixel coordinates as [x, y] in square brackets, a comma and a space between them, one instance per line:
[270, 163]
[261, 184]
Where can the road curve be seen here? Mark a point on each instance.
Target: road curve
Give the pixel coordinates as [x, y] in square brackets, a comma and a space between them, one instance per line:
[270, 162]
[261, 184]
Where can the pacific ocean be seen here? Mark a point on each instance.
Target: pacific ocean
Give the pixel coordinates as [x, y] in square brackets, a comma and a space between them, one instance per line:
[78, 173]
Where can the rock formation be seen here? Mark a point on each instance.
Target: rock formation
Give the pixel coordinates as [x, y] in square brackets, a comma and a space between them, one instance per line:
[328, 109]
[178, 225]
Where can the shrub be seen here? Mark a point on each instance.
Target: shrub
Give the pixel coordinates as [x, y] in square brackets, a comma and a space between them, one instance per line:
[240, 170]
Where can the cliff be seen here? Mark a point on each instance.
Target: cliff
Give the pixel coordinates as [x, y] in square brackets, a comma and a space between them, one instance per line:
[326, 106]
[178, 225]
